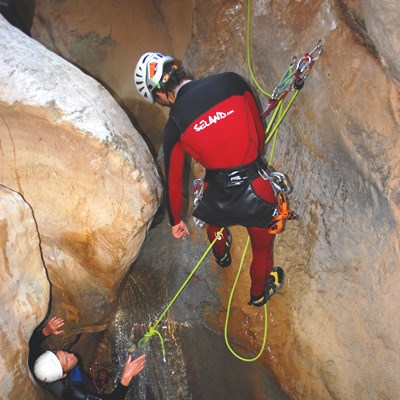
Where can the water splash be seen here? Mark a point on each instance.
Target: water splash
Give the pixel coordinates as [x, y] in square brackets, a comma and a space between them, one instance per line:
[162, 378]
[198, 364]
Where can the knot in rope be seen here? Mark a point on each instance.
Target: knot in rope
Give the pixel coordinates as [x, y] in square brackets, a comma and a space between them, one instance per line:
[153, 331]
[144, 341]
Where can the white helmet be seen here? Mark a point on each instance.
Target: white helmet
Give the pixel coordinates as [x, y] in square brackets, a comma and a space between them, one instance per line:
[148, 73]
[48, 368]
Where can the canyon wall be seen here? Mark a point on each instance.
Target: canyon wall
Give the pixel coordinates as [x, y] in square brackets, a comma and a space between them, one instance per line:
[90, 184]
[333, 330]
[24, 291]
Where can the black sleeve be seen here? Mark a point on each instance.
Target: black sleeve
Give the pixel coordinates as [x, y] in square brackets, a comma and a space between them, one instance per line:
[75, 393]
[35, 349]
[118, 393]
[78, 393]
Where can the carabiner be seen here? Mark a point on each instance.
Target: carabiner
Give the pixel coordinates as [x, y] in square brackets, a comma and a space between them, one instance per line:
[307, 61]
[263, 174]
[198, 187]
[304, 63]
[317, 49]
[281, 182]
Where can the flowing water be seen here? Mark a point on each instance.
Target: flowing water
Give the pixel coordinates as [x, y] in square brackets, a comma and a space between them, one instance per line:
[198, 364]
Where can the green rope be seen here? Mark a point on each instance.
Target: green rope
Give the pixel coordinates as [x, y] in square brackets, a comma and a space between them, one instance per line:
[248, 51]
[271, 132]
[228, 313]
[147, 337]
[248, 239]
[281, 116]
[286, 79]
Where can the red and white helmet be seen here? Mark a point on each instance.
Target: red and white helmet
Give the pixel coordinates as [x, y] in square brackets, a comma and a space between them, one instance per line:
[149, 72]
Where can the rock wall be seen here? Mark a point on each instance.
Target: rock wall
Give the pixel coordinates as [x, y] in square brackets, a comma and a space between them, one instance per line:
[333, 331]
[71, 152]
[339, 147]
[107, 38]
[24, 291]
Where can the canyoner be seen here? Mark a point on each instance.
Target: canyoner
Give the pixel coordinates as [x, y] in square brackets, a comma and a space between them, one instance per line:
[292, 81]
[239, 187]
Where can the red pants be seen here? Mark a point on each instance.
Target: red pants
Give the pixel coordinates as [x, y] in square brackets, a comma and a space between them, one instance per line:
[262, 244]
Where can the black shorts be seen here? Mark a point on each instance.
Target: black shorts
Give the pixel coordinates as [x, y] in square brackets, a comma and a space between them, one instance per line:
[233, 201]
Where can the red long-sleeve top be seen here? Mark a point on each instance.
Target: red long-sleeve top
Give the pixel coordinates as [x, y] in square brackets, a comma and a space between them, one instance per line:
[217, 122]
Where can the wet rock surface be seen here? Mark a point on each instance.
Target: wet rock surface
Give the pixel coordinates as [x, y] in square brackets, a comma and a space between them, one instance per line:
[332, 333]
[198, 364]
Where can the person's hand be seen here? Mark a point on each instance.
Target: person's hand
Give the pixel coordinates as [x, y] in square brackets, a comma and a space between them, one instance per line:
[53, 326]
[180, 230]
[131, 369]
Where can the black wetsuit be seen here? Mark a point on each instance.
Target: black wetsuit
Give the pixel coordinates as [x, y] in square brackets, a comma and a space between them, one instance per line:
[77, 385]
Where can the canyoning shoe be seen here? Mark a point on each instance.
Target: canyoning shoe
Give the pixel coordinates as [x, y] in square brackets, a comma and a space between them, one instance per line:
[225, 260]
[274, 283]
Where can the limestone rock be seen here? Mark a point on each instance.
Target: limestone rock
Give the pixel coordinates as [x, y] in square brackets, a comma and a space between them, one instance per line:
[339, 144]
[333, 330]
[374, 26]
[107, 39]
[24, 292]
[69, 149]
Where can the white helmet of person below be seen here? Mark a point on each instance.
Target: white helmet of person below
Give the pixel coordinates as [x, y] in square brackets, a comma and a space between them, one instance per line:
[48, 368]
[150, 74]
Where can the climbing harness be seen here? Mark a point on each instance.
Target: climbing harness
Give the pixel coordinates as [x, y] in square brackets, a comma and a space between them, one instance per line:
[143, 342]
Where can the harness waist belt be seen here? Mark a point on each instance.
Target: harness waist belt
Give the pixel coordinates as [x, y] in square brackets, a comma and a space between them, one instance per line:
[236, 176]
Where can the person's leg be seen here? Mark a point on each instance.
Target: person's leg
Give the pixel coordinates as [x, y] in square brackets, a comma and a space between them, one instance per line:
[265, 279]
[221, 246]
[262, 244]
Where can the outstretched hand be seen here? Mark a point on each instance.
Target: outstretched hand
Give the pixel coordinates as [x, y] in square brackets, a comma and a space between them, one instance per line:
[131, 369]
[180, 230]
[53, 326]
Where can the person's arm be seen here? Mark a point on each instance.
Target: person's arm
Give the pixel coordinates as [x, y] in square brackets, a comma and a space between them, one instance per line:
[174, 158]
[180, 230]
[131, 369]
[53, 327]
